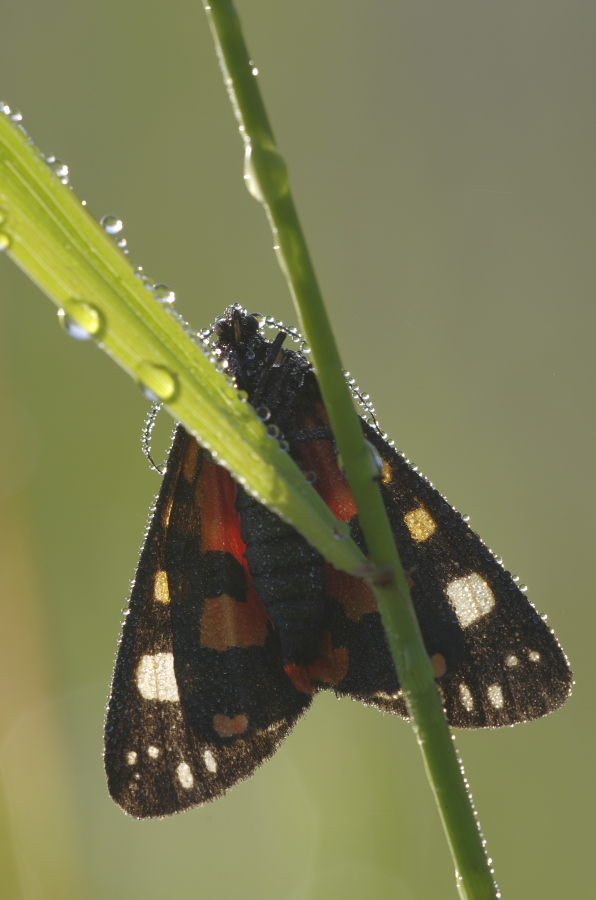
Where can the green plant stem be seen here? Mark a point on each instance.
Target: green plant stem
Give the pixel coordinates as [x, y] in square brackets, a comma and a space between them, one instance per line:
[52, 237]
[267, 179]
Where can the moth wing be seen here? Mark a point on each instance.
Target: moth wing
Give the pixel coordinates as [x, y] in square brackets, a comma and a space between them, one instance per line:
[199, 696]
[496, 662]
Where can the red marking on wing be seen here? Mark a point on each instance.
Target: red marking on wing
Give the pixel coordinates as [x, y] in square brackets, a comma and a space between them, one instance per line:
[225, 622]
[332, 485]
[299, 678]
[227, 726]
[330, 668]
[354, 594]
[439, 664]
[220, 522]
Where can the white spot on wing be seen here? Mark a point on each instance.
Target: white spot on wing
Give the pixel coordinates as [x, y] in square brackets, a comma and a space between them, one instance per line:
[131, 758]
[156, 679]
[495, 695]
[533, 656]
[185, 775]
[470, 597]
[511, 661]
[210, 763]
[467, 701]
[153, 752]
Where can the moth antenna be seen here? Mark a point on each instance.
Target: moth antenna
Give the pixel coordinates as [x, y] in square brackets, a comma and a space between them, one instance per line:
[269, 364]
[146, 438]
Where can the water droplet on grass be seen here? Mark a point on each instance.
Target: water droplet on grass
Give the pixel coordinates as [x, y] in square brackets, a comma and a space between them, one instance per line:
[80, 320]
[59, 167]
[157, 381]
[163, 293]
[111, 224]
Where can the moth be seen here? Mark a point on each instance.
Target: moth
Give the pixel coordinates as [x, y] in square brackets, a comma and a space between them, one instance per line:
[235, 622]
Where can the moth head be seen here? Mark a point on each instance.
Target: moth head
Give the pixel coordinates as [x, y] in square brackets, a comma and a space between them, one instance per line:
[236, 327]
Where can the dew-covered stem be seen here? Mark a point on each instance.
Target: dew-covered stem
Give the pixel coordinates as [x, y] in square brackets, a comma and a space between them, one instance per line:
[267, 180]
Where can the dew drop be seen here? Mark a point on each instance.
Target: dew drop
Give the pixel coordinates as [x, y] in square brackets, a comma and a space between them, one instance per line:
[4, 242]
[59, 167]
[121, 242]
[163, 293]
[338, 536]
[5, 108]
[16, 115]
[242, 396]
[265, 173]
[111, 224]
[263, 413]
[72, 328]
[157, 382]
[523, 588]
[283, 445]
[272, 431]
[310, 476]
[80, 320]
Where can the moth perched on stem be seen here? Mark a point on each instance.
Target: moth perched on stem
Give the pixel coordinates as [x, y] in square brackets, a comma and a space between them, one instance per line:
[235, 622]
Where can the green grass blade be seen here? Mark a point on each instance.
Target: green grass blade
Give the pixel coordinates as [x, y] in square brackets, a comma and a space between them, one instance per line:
[52, 237]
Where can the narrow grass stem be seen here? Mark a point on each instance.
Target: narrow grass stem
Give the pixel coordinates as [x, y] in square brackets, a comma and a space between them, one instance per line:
[267, 179]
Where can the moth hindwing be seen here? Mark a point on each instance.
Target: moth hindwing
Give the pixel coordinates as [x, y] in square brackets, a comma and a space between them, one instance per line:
[235, 622]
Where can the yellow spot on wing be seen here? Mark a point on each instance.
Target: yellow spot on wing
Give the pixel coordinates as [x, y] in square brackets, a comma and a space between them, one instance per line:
[420, 524]
[161, 592]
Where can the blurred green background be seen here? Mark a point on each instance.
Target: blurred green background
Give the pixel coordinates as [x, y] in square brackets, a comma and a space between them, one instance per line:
[442, 158]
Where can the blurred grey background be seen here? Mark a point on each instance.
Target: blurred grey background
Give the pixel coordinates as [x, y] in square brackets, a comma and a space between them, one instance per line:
[442, 158]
